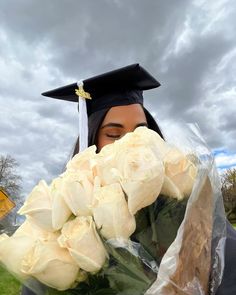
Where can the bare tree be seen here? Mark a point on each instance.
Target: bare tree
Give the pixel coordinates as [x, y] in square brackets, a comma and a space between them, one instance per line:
[9, 179]
[229, 193]
[10, 183]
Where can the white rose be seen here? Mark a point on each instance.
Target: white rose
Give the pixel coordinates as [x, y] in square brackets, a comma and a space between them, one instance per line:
[38, 206]
[111, 213]
[106, 162]
[170, 189]
[180, 171]
[51, 265]
[104, 165]
[78, 192]
[79, 236]
[180, 174]
[46, 206]
[82, 161]
[12, 252]
[141, 176]
[142, 136]
[13, 249]
[30, 229]
[60, 211]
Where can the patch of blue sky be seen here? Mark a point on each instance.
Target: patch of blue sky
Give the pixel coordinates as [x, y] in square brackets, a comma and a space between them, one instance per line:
[224, 159]
[219, 151]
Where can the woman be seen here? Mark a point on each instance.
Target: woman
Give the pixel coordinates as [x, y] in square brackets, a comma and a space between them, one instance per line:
[113, 103]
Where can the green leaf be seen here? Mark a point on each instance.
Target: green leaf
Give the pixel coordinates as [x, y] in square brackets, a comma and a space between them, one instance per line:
[126, 274]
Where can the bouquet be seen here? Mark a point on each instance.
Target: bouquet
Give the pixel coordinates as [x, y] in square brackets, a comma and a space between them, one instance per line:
[140, 217]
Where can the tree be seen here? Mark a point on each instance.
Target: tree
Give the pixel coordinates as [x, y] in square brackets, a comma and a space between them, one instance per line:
[10, 183]
[229, 193]
[9, 179]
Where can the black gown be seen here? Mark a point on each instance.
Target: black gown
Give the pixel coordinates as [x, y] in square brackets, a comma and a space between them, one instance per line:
[228, 284]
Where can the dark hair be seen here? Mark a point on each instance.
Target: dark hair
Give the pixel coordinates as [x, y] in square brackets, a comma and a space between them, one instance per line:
[96, 119]
[152, 124]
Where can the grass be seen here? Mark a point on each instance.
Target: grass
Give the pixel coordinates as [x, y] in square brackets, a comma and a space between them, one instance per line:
[8, 284]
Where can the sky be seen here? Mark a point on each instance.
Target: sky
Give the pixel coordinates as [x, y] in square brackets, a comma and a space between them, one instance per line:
[189, 46]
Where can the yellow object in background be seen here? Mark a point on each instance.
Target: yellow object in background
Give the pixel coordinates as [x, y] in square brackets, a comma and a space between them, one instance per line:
[6, 204]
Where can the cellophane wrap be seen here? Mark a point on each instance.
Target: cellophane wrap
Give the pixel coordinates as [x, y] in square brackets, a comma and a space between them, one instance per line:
[198, 248]
[177, 246]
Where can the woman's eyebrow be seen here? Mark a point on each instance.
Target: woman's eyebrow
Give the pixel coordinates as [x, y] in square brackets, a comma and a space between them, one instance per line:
[117, 125]
[112, 125]
[145, 124]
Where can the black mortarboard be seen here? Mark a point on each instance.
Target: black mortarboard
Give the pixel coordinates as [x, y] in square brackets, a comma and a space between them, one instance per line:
[119, 87]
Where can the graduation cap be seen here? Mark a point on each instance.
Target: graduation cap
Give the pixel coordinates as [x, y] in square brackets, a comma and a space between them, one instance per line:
[119, 87]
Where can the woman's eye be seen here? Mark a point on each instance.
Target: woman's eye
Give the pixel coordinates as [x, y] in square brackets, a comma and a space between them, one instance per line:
[115, 136]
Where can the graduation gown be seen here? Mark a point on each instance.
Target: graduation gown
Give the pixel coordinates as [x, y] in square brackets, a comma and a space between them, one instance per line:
[228, 284]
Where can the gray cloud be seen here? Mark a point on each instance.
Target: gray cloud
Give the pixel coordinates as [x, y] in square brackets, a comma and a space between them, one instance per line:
[189, 47]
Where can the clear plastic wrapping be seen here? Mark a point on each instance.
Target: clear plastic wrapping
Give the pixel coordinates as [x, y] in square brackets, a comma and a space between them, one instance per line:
[198, 249]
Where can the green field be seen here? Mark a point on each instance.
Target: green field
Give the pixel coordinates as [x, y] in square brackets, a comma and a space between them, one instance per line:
[8, 284]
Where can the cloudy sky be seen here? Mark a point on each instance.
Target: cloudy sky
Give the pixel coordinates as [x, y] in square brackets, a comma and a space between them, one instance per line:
[189, 46]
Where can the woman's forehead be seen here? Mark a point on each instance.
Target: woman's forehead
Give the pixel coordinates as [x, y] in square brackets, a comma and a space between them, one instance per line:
[128, 113]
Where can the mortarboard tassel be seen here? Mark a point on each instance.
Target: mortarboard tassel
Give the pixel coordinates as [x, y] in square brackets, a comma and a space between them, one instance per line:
[83, 116]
